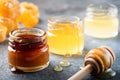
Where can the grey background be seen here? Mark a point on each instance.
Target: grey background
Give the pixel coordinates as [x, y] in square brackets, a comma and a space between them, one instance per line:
[63, 7]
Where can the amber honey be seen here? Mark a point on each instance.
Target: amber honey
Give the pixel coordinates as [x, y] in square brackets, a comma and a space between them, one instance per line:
[65, 36]
[28, 50]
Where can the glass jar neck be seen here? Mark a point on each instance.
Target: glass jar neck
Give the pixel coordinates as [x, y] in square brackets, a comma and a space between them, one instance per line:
[25, 35]
[27, 39]
[102, 10]
[61, 19]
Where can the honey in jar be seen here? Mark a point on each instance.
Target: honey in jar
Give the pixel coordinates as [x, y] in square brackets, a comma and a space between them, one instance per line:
[65, 35]
[28, 50]
[101, 20]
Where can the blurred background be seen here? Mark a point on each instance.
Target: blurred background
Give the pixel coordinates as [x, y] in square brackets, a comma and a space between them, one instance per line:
[49, 8]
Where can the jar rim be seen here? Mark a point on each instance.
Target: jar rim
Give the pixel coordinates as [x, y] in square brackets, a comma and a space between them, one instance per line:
[102, 8]
[55, 19]
[16, 34]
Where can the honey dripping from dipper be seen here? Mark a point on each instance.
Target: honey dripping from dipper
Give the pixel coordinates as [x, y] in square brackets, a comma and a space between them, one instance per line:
[98, 61]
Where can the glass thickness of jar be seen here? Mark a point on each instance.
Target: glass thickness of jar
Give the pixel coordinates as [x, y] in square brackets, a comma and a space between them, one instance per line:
[65, 35]
[28, 50]
[101, 20]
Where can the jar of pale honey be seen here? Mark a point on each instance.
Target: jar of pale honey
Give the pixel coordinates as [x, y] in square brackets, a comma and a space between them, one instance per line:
[28, 50]
[101, 20]
[65, 35]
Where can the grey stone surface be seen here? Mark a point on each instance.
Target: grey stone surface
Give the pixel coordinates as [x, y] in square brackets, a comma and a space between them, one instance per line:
[62, 7]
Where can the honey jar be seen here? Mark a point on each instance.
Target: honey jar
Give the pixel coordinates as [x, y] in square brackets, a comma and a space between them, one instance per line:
[28, 50]
[101, 20]
[65, 35]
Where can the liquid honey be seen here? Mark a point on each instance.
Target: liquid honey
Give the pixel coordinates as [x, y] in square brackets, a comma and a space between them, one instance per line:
[105, 27]
[101, 20]
[65, 38]
[27, 52]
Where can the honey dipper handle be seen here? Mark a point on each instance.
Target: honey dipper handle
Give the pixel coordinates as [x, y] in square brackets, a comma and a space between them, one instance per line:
[82, 73]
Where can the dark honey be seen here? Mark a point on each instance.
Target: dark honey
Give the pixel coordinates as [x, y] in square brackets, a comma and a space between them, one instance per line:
[28, 50]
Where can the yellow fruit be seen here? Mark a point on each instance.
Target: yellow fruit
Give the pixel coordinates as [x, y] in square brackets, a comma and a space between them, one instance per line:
[9, 8]
[29, 16]
[31, 8]
[28, 20]
[3, 31]
[10, 24]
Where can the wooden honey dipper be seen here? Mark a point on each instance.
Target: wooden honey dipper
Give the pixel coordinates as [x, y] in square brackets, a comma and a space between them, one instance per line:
[97, 61]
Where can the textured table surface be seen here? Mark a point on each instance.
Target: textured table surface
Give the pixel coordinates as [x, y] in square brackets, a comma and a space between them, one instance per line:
[63, 7]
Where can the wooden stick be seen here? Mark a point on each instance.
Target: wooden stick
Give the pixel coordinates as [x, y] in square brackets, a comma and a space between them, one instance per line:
[82, 73]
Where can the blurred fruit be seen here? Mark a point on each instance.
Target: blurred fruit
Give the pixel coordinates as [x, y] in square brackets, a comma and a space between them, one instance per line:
[30, 7]
[10, 24]
[28, 20]
[29, 16]
[11, 12]
[3, 31]
[9, 8]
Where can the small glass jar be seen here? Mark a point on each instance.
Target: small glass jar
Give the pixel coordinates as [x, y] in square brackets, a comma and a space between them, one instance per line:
[65, 35]
[27, 50]
[101, 20]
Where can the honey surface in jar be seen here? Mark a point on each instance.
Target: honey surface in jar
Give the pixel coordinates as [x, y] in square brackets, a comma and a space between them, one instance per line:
[27, 52]
[65, 38]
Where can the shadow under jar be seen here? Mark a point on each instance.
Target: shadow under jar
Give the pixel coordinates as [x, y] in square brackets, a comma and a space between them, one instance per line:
[28, 50]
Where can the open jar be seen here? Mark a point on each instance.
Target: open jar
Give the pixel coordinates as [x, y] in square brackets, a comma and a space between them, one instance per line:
[65, 35]
[27, 50]
[101, 20]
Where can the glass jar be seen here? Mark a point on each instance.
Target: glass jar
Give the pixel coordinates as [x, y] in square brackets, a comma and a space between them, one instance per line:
[101, 20]
[27, 50]
[65, 35]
